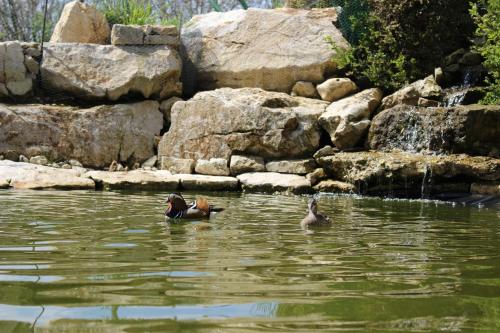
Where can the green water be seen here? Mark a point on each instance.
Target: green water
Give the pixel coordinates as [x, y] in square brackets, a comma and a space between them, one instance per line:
[107, 262]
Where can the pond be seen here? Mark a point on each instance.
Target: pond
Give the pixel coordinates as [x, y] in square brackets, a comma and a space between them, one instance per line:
[87, 261]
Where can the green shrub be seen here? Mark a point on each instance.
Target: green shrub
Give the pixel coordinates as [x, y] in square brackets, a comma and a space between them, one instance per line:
[488, 35]
[127, 12]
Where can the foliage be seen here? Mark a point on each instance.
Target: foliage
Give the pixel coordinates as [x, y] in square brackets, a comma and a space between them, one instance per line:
[488, 32]
[376, 57]
[127, 12]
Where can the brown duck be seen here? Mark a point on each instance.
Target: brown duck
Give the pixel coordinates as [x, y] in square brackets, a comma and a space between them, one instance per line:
[177, 208]
[314, 218]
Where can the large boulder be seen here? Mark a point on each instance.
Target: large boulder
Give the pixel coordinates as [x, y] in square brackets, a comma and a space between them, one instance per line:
[81, 23]
[108, 72]
[426, 88]
[405, 174]
[95, 136]
[470, 129]
[266, 48]
[216, 124]
[347, 120]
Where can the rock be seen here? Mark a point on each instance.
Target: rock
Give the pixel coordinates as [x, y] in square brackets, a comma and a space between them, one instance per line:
[266, 48]
[207, 183]
[134, 180]
[426, 88]
[242, 164]
[347, 121]
[150, 162]
[214, 167]
[219, 123]
[23, 159]
[492, 188]
[122, 34]
[305, 89]
[14, 78]
[271, 182]
[113, 166]
[454, 57]
[81, 23]
[166, 107]
[94, 136]
[4, 183]
[66, 166]
[177, 165]
[439, 76]
[336, 88]
[316, 176]
[75, 163]
[470, 129]
[40, 159]
[37, 177]
[427, 103]
[404, 174]
[299, 167]
[31, 65]
[334, 186]
[325, 151]
[111, 72]
[470, 59]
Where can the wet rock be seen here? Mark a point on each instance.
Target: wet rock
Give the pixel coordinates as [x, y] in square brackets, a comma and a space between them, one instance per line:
[38, 177]
[266, 48]
[471, 129]
[112, 72]
[94, 136]
[299, 167]
[316, 176]
[134, 180]
[81, 23]
[347, 121]
[243, 164]
[214, 167]
[207, 183]
[409, 95]
[177, 165]
[40, 159]
[334, 186]
[271, 182]
[492, 188]
[304, 89]
[336, 88]
[219, 123]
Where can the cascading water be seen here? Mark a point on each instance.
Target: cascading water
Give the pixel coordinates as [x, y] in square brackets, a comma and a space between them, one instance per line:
[456, 95]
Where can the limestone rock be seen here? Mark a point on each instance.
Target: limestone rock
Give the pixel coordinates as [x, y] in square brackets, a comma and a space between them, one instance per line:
[37, 177]
[470, 129]
[266, 48]
[40, 159]
[242, 164]
[122, 34]
[336, 88]
[145, 35]
[207, 183]
[94, 136]
[404, 174]
[334, 186]
[214, 167]
[304, 89]
[299, 167]
[325, 151]
[316, 176]
[274, 182]
[242, 121]
[111, 72]
[426, 88]
[134, 180]
[81, 23]
[347, 121]
[177, 165]
[166, 107]
[15, 80]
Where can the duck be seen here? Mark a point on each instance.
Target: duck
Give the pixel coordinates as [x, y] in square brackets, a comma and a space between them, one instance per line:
[314, 218]
[177, 208]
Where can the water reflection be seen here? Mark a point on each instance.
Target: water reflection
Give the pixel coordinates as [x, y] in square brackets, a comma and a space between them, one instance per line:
[74, 259]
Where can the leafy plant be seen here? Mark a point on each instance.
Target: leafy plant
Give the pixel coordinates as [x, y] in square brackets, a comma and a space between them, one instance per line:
[127, 12]
[486, 14]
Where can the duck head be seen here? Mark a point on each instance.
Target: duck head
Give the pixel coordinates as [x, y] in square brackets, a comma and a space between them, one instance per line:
[176, 202]
[313, 206]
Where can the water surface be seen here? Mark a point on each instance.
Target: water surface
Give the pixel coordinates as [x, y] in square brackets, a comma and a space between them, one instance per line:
[107, 262]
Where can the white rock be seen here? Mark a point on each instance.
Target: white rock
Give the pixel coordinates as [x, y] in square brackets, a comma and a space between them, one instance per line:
[135, 180]
[40, 159]
[274, 182]
[336, 88]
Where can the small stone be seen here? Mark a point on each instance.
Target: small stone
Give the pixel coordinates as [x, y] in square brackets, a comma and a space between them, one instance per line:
[150, 162]
[439, 76]
[304, 89]
[325, 151]
[41, 160]
[336, 88]
[23, 159]
[136, 166]
[75, 163]
[113, 166]
[242, 164]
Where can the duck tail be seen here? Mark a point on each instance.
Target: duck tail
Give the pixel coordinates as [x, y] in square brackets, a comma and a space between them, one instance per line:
[202, 204]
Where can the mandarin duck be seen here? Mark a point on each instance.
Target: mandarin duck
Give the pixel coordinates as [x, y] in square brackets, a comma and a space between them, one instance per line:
[178, 208]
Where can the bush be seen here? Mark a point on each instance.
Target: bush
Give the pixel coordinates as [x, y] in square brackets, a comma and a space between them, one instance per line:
[127, 12]
[486, 14]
